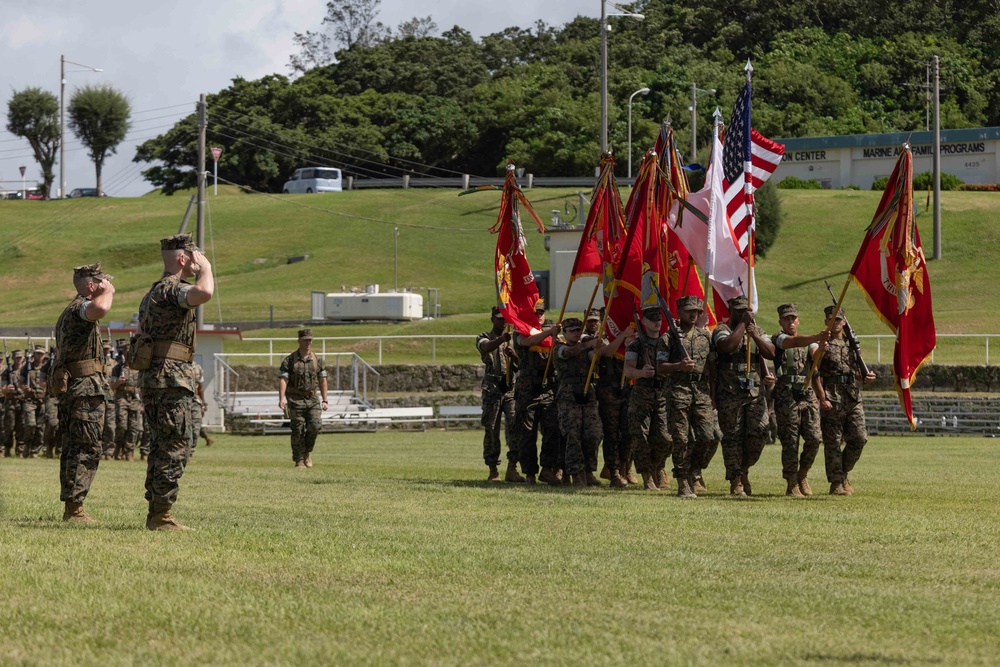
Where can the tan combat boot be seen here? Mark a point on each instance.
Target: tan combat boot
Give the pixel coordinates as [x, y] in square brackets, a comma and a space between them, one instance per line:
[494, 475]
[130, 456]
[142, 457]
[648, 482]
[529, 479]
[837, 489]
[591, 480]
[793, 489]
[160, 518]
[684, 488]
[74, 513]
[747, 489]
[848, 487]
[628, 473]
[300, 464]
[698, 483]
[617, 481]
[662, 479]
[512, 474]
[736, 488]
[308, 461]
[209, 441]
[804, 484]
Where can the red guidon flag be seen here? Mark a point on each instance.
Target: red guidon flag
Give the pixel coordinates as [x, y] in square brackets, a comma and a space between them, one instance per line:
[892, 272]
[517, 292]
[588, 257]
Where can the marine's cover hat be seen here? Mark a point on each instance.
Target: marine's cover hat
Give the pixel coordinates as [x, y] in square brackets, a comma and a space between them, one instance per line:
[305, 334]
[593, 314]
[690, 303]
[178, 242]
[738, 303]
[786, 309]
[829, 311]
[572, 323]
[92, 271]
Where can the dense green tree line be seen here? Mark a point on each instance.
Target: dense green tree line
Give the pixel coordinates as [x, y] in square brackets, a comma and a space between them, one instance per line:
[425, 104]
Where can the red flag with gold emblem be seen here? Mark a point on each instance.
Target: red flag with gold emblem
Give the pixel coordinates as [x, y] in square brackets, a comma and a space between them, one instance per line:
[891, 270]
[517, 292]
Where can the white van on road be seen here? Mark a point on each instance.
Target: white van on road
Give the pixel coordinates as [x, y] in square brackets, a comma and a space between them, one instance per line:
[313, 179]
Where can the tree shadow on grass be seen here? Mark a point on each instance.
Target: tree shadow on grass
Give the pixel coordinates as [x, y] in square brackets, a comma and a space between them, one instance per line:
[870, 658]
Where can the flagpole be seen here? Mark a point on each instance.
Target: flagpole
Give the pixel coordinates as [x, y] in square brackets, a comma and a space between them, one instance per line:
[562, 311]
[829, 327]
[593, 295]
[747, 185]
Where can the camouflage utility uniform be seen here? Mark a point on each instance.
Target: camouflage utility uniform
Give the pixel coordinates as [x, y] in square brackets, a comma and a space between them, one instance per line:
[168, 385]
[109, 423]
[534, 409]
[128, 411]
[741, 405]
[579, 421]
[13, 412]
[647, 407]
[497, 402]
[197, 410]
[33, 403]
[52, 435]
[303, 375]
[846, 421]
[82, 409]
[689, 407]
[796, 408]
[612, 404]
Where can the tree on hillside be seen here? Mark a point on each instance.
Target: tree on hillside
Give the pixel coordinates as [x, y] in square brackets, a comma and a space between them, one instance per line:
[99, 117]
[33, 114]
[349, 24]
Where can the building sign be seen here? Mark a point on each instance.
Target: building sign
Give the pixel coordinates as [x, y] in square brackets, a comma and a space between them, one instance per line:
[926, 149]
[806, 156]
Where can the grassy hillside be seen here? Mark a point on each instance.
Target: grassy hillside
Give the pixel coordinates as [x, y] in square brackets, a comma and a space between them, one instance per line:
[443, 243]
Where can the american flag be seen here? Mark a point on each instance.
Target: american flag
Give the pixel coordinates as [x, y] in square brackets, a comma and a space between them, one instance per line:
[748, 159]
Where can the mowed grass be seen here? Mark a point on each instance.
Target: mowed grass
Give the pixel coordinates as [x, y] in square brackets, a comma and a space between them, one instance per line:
[444, 243]
[393, 550]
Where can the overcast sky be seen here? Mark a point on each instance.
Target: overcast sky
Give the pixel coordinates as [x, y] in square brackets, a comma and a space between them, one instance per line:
[164, 54]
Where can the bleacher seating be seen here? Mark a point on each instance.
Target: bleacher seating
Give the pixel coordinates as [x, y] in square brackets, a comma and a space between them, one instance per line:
[936, 414]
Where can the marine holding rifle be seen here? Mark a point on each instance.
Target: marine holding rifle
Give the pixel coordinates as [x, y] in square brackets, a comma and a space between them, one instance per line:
[842, 417]
[647, 407]
[498, 397]
[168, 384]
[78, 378]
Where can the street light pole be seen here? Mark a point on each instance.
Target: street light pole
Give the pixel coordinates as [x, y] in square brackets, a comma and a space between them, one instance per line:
[694, 117]
[604, 65]
[641, 91]
[62, 117]
[937, 158]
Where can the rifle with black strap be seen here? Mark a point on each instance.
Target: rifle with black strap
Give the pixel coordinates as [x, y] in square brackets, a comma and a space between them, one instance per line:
[852, 338]
[675, 335]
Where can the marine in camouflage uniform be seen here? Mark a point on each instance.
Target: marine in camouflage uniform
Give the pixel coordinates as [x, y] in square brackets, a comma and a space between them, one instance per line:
[579, 421]
[795, 406]
[128, 410]
[647, 408]
[302, 373]
[842, 417]
[197, 430]
[82, 406]
[13, 412]
[612, 406]
[498, 398]
[167, 315]
[739, 398]
[690, 414]
[534, 406]
[33, 390]
[110, 422]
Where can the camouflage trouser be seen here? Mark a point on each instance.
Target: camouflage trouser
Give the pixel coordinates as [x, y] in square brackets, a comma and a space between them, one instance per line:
[745, 430]
[34, 425]
[580, 425]
[612, 405]
[144, 440]
[195, 427]
[306, 416]
[81, 420]
[13, 426]
[533, 410]
[846, 421]
[168, 412]
[651, 443]
[109, 431]
[797, 418]
[692, 426]
[52, 434]
[128, 428]
[495, 407]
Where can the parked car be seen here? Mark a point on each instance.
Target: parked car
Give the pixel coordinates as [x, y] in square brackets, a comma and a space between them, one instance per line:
[313, 179]
[85, 192]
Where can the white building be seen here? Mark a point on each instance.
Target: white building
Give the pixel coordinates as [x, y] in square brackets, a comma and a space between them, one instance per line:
[858, 159]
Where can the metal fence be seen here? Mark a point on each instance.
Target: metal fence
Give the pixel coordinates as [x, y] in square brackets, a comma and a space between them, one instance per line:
[286, 345]
[981, 341]
[346, 371]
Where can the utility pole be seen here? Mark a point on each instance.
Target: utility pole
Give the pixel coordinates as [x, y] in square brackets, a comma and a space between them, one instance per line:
[937, 158]
[395, 260]
[200, 234]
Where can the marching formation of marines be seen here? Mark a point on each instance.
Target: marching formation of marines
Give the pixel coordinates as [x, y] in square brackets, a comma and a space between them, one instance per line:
[674, 396]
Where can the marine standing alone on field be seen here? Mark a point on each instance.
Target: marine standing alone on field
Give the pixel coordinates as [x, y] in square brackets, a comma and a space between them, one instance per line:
[842, 416]
[78, 379]
[167, 324]
[498, 397]
[795, 404]
[300, 375]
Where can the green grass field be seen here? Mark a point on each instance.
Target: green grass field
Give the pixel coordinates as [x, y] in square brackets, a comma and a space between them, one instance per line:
[392, 550]
[444, 243]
